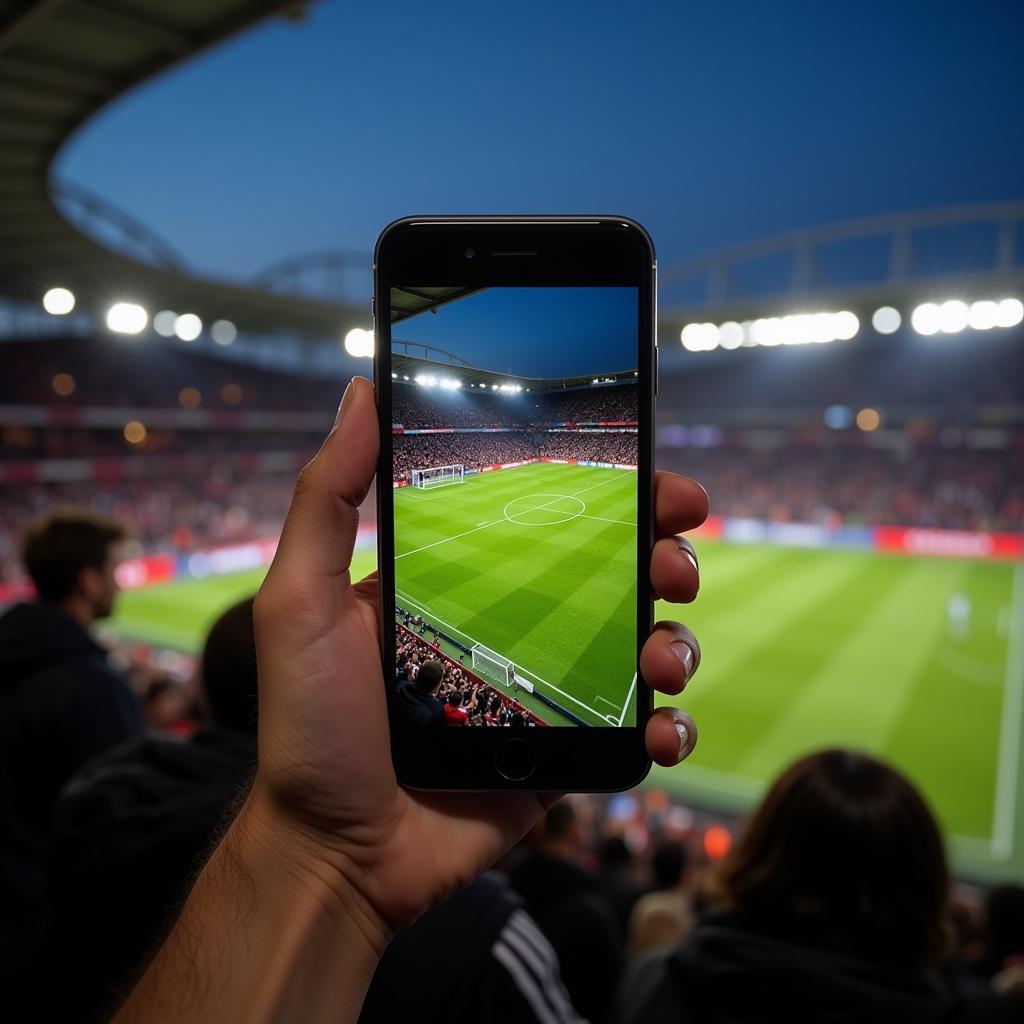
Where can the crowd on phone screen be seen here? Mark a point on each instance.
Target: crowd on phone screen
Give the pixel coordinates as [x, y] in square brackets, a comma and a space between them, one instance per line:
[833, 900]
[469, 699]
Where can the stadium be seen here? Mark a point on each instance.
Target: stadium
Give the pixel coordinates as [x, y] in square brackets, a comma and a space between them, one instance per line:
[858, 423]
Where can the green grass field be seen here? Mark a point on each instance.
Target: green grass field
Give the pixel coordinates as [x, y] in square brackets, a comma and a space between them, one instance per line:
[539, 565]
[801, 649]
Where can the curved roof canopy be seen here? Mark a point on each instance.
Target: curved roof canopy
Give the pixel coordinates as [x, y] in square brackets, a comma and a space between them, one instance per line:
[60, 62]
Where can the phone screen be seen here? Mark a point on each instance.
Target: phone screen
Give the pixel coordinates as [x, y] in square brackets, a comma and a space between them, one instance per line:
[514, 468]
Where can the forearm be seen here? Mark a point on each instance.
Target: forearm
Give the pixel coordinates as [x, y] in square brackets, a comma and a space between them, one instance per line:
[270, 932]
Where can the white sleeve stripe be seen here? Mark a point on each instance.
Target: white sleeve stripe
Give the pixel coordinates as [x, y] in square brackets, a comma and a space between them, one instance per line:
[525, 983]
[522, 934]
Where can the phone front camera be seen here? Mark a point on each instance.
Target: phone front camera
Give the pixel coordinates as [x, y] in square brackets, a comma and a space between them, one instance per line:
[470, 253]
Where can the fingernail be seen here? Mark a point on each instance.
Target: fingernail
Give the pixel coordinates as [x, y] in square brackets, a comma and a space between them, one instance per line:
[683, 732]
[344, 402]
[684, 653]
[693, 561]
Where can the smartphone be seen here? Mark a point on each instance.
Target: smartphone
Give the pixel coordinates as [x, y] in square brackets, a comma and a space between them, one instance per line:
[516, 368]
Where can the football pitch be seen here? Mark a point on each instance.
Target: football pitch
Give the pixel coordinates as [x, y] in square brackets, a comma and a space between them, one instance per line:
[538, 564]
[801, 649]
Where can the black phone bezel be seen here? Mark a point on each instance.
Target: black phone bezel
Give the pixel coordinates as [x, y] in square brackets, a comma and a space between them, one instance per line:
[548, 251]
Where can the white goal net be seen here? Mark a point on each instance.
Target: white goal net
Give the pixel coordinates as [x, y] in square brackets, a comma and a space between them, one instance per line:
[492, 665]
[438, 476]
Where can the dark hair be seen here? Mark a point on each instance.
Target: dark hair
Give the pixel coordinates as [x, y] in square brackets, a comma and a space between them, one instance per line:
[614, 853]
[668, 864]
[59, 545]
[1004, 921]
[229, 670]
[559, 819]
[843, 843]
[429, 676]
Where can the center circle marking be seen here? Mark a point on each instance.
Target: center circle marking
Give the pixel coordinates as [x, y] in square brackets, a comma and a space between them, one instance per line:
[544, 505]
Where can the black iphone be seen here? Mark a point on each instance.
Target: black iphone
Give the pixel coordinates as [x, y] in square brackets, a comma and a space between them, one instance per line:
[516, 371]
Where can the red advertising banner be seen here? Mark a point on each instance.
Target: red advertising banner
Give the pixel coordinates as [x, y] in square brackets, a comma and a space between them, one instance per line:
[133, 573]
[999, 547]
[710, 530]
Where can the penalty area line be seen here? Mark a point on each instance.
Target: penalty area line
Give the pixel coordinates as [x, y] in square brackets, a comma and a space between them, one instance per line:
[629, 697]
[519, 669]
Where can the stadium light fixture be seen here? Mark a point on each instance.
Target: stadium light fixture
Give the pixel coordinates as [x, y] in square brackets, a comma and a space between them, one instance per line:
[188, 327]
[223, 332]
[134, 432]
[730, 335]
[59, 301]
[359, 343]
[868, 419]
[699, 337]
[1009, 313]
[953, 316]
[845, 324]
[394, 376]
[127, 318]
[164, 321]
[983, 315]
[886, 320]
[925, 319]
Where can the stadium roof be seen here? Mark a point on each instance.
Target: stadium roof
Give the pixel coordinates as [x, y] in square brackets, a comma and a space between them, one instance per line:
[60, 62]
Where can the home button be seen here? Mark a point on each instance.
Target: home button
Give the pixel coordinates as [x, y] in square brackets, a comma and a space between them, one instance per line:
[515, 760]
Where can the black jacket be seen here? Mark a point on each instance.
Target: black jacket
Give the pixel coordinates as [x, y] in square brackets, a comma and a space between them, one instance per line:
[416, 708]
[726, 971]
[60, 704]
[580, 924]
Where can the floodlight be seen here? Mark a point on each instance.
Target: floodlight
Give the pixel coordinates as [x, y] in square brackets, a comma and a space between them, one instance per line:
[925, 319]
[420, 379]
[127, 318]
[845, 324]
[868, 419]
[982, 315]
[223, 332]
[163, 323]
[58, 301]
[188, 327]
[1009, 313]
[953, 316]
[730, 335]
[886, 320]
[359, 343]
[394, 376]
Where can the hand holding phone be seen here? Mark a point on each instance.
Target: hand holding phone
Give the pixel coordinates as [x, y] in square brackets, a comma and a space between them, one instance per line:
[325, 769]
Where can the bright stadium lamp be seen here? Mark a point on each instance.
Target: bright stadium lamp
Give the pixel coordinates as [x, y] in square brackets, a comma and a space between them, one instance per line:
[223, 332]
[59, 301]
[730, 335]
[127, 318]
[846, 325]
[359, 343]
[953, 316]
[164, 321]
[1009, 313]
[886, 320]
[925, 319]
[188, 327]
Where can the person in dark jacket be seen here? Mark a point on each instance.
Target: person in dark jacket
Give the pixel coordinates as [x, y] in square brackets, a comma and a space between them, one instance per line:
[134, 827]
[61, 703]
[572, 911]
[417, 701]
[832, 906]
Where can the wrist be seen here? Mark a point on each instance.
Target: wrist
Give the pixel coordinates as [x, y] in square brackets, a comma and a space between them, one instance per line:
[312, 869]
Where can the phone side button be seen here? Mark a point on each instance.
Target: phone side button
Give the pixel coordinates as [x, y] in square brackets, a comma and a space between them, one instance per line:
[515, 760]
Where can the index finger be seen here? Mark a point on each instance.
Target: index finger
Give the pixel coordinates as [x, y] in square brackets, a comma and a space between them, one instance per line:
[680, 504]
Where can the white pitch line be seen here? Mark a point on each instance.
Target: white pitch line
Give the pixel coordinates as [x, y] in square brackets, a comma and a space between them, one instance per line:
[525, 672]
[1003, 818]
[629, 697]
[444, 540]
[607, 701]
[617, 522]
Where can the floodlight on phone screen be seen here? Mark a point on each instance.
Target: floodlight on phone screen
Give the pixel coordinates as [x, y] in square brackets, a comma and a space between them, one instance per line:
[127, 318]
[359, 343]
[59, 301]
[188, 327]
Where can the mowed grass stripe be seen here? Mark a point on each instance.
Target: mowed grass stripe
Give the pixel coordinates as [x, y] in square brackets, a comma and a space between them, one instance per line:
[945, 737]
[546, 596]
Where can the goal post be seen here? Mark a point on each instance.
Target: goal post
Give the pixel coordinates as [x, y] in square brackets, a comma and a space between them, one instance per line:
[494, 666]
[438, 476]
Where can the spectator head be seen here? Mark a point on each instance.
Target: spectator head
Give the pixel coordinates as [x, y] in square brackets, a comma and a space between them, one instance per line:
[430, 675]
[562, 834]
[1004, 921]
[668, 864]
[228, 669]
[844, 843]
[71, 555]
[614, 854]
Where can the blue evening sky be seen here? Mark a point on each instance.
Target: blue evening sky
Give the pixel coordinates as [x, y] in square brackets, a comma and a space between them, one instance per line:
[709, 122]
[535, 332]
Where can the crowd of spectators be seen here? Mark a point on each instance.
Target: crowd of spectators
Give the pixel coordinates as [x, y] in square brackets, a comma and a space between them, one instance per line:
[416, 407]
[926, 487]
[588, 446]
[467, 698]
